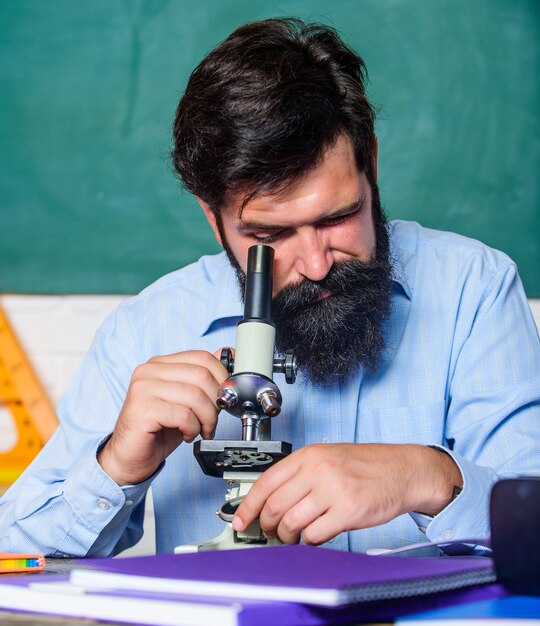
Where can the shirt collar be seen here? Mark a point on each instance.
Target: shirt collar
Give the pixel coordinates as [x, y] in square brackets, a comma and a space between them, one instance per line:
[403, 256]
[399, 278]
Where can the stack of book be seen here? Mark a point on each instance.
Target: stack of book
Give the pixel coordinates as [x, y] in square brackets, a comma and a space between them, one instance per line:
[285, 585]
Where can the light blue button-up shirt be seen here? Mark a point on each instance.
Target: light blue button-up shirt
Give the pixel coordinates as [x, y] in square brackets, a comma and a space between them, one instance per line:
[461, 371]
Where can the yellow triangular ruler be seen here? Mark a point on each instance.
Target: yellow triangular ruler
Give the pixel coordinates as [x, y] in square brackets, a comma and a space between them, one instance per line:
[23, 395]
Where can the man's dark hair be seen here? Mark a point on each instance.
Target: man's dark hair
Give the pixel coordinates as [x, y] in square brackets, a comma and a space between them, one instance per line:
[262, 108]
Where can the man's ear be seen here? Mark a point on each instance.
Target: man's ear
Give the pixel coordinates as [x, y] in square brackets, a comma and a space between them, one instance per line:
[375, 156]
[211, 219]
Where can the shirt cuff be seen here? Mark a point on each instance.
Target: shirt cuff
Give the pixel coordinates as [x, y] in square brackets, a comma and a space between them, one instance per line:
[467, 516]
[96, 499]
[130, 491]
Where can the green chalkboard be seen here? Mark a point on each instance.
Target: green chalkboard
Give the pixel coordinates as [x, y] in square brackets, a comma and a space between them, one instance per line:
[88, 201]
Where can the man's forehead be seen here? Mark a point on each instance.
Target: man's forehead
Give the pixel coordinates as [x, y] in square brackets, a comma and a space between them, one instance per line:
[330, 184]
[310, 204]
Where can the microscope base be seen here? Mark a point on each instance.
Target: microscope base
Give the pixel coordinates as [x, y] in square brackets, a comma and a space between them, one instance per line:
[229, 539]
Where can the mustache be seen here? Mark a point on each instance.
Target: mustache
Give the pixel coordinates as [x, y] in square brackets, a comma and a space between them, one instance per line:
[344, 277]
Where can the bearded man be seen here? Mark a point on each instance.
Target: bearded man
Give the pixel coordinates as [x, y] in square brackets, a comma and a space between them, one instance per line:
[418, 356]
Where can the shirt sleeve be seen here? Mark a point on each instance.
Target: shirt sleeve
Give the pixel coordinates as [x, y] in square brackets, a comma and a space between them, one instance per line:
[493, 417]
[64, 504]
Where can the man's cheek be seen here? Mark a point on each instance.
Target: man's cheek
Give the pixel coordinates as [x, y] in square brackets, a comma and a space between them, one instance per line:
[280, 281]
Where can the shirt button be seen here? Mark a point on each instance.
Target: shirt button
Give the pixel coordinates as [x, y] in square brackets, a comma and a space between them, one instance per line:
[325, 440]
[103, 505]
[128, 503]
[448, 534]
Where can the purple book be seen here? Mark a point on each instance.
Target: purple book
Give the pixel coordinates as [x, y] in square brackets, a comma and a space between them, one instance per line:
[297, 574]
[56, 595]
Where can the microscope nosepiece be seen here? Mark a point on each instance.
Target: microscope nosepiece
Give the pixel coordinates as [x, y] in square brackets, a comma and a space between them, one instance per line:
[269, 403]
[227, 397]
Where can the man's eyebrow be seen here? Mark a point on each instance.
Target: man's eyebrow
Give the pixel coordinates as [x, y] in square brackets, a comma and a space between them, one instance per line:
[344, 210]
[349, 208]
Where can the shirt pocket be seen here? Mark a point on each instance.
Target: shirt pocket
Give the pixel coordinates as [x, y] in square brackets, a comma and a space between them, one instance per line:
[422, 424]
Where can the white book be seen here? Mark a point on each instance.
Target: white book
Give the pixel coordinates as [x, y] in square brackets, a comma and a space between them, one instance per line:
[55, 595]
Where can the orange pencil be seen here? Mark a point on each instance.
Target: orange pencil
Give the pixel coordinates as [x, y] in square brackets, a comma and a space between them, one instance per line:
[11, 562]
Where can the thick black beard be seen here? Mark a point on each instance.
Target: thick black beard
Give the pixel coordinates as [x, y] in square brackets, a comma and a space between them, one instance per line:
[335, 335]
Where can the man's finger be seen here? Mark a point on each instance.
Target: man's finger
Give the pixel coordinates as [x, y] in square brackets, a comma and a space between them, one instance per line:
[299, 517]
[195, 357]
[183, 398]
[322, 529]
[257, 496]
[179, 373]
[284, 499]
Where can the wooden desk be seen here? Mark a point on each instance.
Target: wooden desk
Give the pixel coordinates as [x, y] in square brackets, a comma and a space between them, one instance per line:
[8, 618]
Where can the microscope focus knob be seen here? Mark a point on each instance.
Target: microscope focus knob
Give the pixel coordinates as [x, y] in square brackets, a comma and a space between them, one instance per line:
[287, 366]
[290, 367]
[227, 359]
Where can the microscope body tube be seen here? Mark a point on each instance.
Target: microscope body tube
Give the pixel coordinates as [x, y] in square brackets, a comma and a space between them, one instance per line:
[255, 334]
[255, 348]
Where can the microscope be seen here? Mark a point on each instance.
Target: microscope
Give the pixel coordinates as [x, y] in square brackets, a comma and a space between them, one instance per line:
[250, 394]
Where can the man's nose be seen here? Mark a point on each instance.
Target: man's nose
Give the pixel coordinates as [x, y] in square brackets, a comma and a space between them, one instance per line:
[314, 256]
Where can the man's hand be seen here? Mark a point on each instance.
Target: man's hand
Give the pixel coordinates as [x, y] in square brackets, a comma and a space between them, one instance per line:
[322, 490]
[170, 399]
